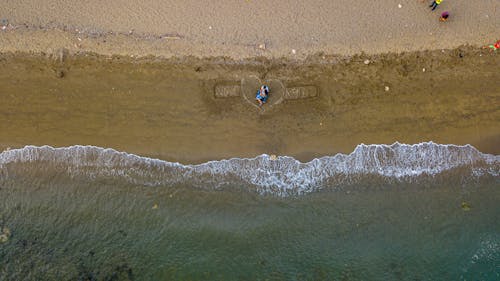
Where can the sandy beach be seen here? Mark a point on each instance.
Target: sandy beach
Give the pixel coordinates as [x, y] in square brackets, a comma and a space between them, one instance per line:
[244, 29]
[167, 108]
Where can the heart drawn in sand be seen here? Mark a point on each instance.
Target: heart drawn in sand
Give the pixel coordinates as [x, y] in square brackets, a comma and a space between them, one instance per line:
[250, 85]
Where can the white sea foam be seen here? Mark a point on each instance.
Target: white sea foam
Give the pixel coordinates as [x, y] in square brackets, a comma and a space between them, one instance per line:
[282, 176]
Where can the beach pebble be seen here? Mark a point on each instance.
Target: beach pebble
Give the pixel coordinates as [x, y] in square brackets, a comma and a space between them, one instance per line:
[465, 206]
[367, 62]
[60, 73]
[386, 88]
[6, 231]
[3, 238]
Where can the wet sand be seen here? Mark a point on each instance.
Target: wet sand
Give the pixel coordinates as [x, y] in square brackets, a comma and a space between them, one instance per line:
[167, 109]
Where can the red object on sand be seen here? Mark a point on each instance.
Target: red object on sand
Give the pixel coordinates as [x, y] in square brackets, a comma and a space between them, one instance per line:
[444, 16]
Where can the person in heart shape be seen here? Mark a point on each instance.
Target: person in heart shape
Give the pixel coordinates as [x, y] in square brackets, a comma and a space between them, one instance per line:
[262, 95]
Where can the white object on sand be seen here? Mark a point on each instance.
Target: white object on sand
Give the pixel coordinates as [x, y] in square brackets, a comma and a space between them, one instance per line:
[387, 88]
[367, 62]
[400, 6]
[294, 51]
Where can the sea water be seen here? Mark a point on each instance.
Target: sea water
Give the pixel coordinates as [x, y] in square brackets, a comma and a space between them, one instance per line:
[384, 212]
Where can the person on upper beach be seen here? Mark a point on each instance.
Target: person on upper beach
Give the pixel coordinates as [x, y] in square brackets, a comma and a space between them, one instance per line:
[493, 47]
[435, 3]
[262, 95]
[444, 16]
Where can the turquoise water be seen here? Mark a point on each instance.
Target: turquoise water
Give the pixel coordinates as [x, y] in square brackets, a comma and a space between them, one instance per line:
[71, 217]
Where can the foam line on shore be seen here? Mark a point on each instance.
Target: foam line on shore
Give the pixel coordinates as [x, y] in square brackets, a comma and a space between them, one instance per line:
[281, 175]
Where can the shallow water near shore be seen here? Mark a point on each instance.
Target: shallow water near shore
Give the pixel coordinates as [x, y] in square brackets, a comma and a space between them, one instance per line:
[80, 214]
[89, 231]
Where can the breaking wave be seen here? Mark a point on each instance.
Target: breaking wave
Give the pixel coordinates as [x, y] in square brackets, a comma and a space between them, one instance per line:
[265, 174]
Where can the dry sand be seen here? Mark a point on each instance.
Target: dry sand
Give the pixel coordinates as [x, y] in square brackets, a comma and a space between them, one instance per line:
[237, 28]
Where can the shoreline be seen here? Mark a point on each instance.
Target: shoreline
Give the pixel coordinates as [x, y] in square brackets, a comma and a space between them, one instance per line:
[166, 108]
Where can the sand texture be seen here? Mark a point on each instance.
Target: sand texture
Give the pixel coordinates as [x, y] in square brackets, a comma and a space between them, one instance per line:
[169, 110]
[242, 29]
